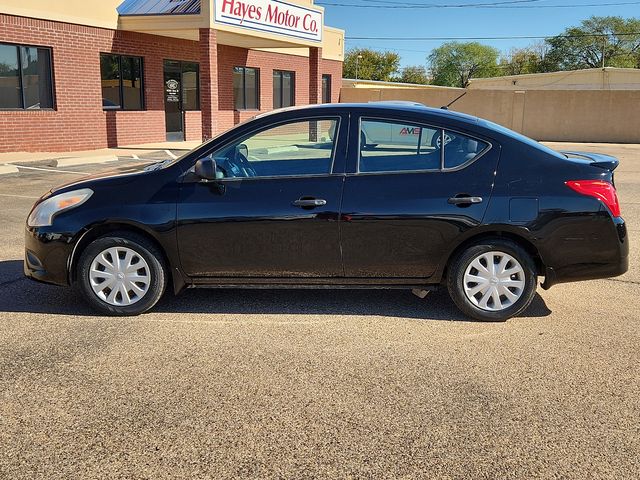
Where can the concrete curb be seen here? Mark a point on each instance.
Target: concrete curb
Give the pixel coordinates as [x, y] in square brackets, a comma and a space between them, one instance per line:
[5, 169]
[72, 161]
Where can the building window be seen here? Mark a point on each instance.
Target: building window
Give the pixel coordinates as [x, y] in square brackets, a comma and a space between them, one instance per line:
[284, 94]
[121, 82]
[246, 90]
[326, 88]
[25, 77]
[190, 86]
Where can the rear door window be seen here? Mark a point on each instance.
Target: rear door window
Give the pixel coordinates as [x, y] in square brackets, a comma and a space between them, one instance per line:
[388, 146]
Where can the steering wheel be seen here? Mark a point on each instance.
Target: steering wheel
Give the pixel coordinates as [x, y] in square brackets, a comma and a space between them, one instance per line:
[245, 166]
[236, 166]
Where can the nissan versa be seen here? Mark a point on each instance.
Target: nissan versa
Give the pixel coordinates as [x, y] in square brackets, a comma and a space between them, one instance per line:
[346, 196]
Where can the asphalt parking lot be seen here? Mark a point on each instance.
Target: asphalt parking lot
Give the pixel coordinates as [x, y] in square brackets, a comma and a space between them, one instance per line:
[316, 384]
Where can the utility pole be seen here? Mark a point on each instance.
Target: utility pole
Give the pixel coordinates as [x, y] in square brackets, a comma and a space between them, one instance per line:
[604, 50]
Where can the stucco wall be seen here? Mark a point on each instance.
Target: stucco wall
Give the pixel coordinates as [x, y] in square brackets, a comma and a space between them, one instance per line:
[551, 115]
[593, 79]
[100, 13]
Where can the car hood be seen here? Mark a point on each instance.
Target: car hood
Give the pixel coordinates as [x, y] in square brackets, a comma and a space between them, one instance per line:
[119, 176]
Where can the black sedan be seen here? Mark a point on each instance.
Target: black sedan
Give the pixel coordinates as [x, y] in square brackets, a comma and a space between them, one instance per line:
[343, 196]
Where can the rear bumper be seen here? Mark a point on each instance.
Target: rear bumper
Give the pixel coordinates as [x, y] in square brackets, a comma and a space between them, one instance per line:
[616, 262]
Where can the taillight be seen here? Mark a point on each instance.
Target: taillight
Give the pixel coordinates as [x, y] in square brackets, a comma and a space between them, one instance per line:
[599, 189]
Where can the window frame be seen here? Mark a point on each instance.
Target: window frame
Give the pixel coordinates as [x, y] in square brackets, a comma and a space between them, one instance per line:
[327, 76]
[121, 107]
[18, 47]
[292, 99]
[421, 125]
[337, 118]
[244, 69]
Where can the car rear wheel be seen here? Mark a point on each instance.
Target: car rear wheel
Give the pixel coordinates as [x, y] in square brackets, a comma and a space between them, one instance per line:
[493, 280]
[121, 274]
[436, 140]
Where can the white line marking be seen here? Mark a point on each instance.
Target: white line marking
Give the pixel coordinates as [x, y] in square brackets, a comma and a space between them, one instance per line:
[135, 157]
[17, 196]
[51, 170]
[170, 154]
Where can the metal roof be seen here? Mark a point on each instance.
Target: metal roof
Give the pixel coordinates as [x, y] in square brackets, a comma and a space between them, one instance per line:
[159, 7]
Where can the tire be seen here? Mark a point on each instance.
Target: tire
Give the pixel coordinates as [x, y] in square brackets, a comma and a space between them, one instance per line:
[509, 294]
[436, 140]
[144, 285]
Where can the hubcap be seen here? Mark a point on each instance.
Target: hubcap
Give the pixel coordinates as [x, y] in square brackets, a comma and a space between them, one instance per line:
[447, 140]
[494, 281]
[119, 276]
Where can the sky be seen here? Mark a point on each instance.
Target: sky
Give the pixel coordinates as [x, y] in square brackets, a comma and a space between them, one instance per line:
[533, 20]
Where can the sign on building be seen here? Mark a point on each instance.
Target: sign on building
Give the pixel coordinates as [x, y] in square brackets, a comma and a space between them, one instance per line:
[272, 16]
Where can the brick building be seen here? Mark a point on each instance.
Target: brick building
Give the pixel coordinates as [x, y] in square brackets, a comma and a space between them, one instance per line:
[80, 74]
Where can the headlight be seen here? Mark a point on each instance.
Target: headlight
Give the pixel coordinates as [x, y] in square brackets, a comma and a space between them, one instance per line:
[42, 215]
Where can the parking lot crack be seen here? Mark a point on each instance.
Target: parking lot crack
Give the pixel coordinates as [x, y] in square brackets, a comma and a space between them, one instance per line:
[632, 282]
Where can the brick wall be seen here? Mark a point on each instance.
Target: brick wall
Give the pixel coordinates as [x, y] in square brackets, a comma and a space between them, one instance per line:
[193, 125]
[333, 68]
[266, 62]
[79, 122]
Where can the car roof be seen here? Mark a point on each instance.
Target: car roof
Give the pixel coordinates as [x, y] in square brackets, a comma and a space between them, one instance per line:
[380, 107]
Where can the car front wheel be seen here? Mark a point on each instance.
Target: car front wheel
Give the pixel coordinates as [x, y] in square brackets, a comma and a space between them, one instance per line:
[493, 280]
[121, 274]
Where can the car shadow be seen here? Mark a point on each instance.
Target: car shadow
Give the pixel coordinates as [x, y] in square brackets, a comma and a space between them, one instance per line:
[19, 294]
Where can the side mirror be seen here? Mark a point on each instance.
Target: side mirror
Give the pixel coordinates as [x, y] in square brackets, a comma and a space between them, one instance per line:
[205, 168]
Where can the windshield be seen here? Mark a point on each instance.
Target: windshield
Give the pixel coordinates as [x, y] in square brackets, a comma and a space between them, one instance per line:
[520, 137]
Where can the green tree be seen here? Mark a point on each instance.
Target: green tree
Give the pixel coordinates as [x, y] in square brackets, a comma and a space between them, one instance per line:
[617, 38]
[6, 69]
[520, 61]
[454, 64]
[415, 74]
[371, 65]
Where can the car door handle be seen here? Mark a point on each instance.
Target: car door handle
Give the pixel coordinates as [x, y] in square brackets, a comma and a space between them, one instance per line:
[309, 202]
[467, 200]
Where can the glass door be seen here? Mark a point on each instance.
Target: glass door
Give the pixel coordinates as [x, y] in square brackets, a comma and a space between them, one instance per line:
[173, 100]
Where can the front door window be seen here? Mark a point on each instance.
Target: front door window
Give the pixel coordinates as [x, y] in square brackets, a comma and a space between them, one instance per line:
[291, 149]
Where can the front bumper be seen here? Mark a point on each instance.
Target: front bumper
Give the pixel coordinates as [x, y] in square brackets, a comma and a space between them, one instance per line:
[47, 256]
